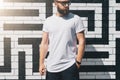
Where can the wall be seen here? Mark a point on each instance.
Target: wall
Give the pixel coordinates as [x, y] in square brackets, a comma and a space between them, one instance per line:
[20, 34]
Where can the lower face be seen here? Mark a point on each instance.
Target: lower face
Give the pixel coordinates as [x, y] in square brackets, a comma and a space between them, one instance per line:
[64, 11]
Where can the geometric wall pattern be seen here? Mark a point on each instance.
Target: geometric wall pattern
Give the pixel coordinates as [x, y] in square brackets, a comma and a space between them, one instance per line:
[21, 24]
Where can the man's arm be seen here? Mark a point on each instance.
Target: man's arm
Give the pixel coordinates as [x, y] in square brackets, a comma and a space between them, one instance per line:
[43, 52]
[81, 47]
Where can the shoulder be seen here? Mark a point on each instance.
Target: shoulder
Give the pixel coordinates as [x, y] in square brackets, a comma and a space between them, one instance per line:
[76, 17]
[49, 18]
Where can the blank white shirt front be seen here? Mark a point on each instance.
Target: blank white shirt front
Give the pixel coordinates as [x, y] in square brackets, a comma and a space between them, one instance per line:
[62, 41]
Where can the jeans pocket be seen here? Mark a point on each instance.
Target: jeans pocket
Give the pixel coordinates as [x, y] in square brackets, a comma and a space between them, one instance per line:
[76, 66]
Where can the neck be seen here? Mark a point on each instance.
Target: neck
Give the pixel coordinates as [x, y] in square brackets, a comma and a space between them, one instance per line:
[60, 15]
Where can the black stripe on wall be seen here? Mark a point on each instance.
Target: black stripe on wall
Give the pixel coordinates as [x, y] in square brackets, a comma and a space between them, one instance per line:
[49, 8]
[117, 1]
[19, 12]
[21, 65]
[7, 56]
[97, 68]
[35, 46]
[23, 27]
[24, 0]
[96, 55]
[117, 20]
[118, 59]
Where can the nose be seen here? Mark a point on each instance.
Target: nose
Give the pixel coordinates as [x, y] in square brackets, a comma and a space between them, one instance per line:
[67, 5]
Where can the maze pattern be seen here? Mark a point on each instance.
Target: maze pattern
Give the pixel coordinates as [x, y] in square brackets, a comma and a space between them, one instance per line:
[20, 36]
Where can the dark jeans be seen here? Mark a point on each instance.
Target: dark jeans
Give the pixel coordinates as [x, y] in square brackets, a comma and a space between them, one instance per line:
[72, 73]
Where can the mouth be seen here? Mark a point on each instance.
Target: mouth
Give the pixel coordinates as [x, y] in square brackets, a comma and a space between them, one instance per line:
[66, 8]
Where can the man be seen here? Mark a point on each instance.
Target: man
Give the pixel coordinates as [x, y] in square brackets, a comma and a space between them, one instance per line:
[59, 32]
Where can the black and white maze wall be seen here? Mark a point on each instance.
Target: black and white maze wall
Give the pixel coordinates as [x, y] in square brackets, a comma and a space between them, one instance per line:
[21, 24]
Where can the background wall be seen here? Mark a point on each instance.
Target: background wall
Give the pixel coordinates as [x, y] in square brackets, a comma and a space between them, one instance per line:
[20, 34]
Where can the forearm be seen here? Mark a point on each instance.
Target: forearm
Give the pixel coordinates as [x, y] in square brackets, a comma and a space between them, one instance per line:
[81, 49]
[43, 52]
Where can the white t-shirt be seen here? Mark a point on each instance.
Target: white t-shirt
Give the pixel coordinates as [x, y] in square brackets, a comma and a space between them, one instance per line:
[62, 40]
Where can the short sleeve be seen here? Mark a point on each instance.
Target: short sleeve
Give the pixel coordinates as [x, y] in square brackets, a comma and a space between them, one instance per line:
[45, 27]
[79, 27]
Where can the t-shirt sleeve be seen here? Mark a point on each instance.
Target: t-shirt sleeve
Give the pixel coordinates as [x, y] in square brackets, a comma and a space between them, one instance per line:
[79, 27]
[45, 27]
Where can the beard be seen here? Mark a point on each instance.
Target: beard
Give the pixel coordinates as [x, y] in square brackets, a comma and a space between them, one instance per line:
[63, 12]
